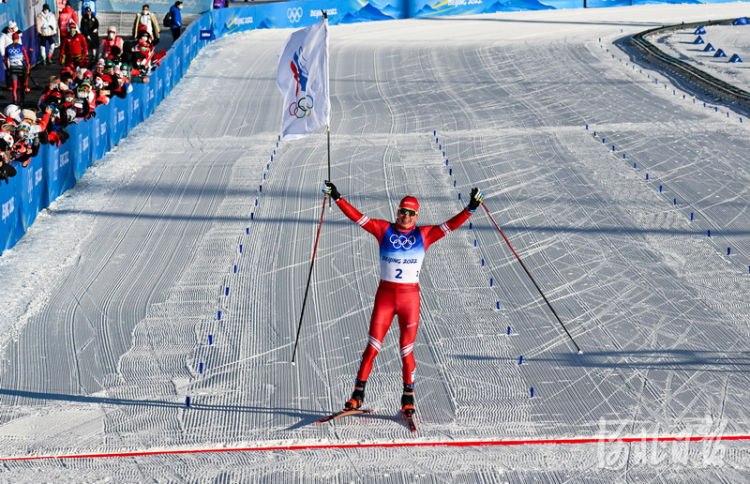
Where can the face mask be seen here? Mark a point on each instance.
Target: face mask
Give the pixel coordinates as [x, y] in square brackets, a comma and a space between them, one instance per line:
[145, 12]
[111, 36]
[144, 39]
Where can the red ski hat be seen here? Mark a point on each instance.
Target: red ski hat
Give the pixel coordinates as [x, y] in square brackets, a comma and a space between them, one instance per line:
[409, 202]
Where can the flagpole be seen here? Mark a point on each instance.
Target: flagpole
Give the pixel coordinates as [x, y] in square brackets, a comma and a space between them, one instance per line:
[328, 133]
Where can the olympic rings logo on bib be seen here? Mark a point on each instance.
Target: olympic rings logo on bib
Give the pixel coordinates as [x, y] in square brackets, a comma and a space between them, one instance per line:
[402, 241]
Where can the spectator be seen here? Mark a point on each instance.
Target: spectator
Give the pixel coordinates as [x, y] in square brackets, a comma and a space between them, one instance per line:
[67, 15]
[91, 4]
[112, 45]
[146, 20]
[16, 68]
[176, 24]
[7, 36]
[90, 30]
[74, 49]
[46, 27]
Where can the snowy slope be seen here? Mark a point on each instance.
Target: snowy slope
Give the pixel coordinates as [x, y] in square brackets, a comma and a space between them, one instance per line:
[120, 285]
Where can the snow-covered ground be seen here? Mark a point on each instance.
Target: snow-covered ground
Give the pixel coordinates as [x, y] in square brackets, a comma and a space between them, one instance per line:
[732, 39]
[112, 295]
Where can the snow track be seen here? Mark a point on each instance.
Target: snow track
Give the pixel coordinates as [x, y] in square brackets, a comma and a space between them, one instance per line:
[188, 277]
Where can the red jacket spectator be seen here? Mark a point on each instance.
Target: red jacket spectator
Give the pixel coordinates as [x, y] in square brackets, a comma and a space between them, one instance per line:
[66, 16]
[110, 41]
[74, 48]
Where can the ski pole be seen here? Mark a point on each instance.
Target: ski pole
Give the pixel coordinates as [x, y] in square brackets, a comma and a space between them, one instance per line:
[309, 276]
[578, 348]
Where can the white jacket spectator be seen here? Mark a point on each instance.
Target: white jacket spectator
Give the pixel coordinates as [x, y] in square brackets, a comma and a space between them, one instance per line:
[7, 36]
[46, 23]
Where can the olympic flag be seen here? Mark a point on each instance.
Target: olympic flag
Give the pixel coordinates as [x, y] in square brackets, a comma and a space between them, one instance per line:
[303, 79]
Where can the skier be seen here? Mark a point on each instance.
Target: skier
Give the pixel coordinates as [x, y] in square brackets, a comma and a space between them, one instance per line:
[17, 68]
[402, 249]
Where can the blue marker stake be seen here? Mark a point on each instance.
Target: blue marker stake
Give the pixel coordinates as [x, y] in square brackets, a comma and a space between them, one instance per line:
[623, 156]
[256, 202]
[532, 392]
[613, 147]
[235, 268]
[492, 283]
[635, 165]
[729, 251]
[226, 291]
[454, 184]
[450, 171]
[604, 140]
[475, 242]
[218, 315]
[247, 230]
[470, 225]
[520, 360]
[252, 215]
[443, 154]
[482, 262]
[497, 305]
[446, 162]
[661, 188]
[240, 248]
[260, 188]
[434, 132]
[200, 367]
[508, 329]
[708, 232]
[646, 176]
[587, 127]
[674, 201]
[692, 216]
[187, 402]
[210, 339]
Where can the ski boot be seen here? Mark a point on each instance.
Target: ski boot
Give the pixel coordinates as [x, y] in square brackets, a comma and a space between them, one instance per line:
[407, 400]
[358, 395]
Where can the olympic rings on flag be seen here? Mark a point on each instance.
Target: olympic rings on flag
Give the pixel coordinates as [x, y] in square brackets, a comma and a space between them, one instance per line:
[402, 242]
[302, 107]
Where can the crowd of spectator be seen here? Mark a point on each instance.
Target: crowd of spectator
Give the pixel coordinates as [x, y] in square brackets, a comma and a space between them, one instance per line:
[92, 71]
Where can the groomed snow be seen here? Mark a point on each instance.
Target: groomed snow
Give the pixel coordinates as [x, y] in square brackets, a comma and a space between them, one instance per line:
[113, 293]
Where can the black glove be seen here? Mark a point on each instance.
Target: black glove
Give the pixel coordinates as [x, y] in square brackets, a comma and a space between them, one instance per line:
[476, 199]
[330, 189]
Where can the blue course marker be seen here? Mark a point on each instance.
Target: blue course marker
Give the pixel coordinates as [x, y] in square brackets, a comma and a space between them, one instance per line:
[508, 329]
[187, 402]
[531, 391]
[200, 367]
[492, 283]
[497, 305]
[218, 315]
[210, 339]
[235, 269]
[226, 291]
[520, 360]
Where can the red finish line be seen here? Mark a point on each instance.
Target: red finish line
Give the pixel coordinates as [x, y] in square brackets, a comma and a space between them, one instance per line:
[470, 443]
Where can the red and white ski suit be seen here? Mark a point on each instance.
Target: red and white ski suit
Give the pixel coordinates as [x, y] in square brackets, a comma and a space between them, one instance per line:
[401, 255]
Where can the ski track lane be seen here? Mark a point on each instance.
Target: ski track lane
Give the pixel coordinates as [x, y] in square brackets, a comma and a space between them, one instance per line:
[106, 363]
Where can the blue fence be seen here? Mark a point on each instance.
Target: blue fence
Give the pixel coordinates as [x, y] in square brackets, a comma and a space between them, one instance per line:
[54, 170]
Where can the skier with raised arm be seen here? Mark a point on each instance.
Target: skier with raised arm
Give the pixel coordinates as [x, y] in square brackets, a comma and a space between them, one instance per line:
[402, 249]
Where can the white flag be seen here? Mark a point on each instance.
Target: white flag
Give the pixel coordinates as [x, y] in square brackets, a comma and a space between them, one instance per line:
[303, 80]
